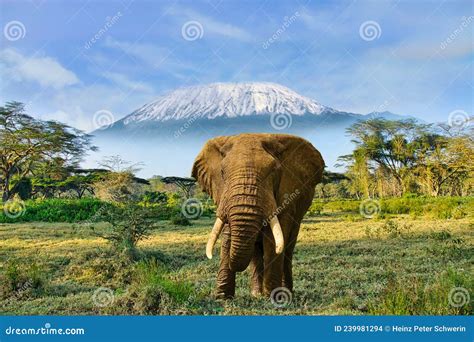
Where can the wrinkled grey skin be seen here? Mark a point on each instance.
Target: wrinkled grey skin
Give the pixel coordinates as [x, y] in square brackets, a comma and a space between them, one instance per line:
[251, 178]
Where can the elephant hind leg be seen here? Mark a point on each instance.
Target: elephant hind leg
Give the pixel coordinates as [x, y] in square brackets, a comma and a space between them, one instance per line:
[256, 270]
[288, 265]
[288, 255]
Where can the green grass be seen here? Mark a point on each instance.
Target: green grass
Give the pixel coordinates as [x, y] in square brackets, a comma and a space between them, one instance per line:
[344, 264]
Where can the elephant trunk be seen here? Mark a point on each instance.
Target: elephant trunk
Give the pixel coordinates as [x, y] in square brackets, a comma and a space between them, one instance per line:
[245, 218]
[244, 229]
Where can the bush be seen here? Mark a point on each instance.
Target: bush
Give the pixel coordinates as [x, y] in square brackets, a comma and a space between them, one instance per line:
[447, 294]
[316, 208]
[154, 197]
[128, 225]
[152, 291]
[86, 209]
[55, 210]
[20, 280]
[437, 207]
[180, 220]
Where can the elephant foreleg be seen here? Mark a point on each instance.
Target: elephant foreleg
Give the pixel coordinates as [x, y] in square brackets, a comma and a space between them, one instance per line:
[272, 264]
[225, 277]
[256, 270]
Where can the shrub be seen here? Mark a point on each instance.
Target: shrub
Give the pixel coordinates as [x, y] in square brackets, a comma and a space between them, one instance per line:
[180, 220]
[56, 210]
[442, 235]
[154, 197]
[152, 291]
[316, 208]
[118, 187]
[20, 280]
[442, 296]
[128, 225]
[437, 207]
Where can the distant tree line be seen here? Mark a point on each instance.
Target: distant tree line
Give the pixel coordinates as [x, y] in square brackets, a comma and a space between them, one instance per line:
[40, 159]
[393, 158]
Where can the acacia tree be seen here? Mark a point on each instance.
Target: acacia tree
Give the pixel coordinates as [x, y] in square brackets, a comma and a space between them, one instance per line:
[398, 156]
[393, 147]
[27, 143]
[451, 164]
[184, 183]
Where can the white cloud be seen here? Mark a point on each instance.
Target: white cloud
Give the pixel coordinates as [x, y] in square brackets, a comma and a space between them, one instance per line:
[213, 26]
[45, 71]
[150, 54]
[123, 81]
[159, 58]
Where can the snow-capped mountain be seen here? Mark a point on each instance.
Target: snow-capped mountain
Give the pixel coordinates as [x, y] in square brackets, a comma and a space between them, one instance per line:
[168, 133]
[229, 100]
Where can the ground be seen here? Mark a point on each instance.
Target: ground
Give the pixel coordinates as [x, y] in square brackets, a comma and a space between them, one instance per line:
[343, 265]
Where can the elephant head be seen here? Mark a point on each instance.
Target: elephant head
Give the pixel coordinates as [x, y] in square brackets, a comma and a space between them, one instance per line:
[247, 176]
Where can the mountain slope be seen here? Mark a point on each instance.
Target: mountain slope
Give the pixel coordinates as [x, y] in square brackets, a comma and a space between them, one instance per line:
[226, 100]
[168, 133]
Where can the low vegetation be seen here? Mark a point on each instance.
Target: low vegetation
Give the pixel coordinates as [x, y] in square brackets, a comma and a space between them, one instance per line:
[344, 264]
[391, 235]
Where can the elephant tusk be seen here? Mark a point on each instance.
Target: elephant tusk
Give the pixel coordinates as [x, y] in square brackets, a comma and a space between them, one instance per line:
[216, 230]
[277, 235]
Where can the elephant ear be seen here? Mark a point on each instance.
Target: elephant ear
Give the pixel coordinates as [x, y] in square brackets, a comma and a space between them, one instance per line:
[299, 161]
[207, 167]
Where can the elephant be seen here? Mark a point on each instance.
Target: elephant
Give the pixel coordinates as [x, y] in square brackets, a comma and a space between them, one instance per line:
[262, 185]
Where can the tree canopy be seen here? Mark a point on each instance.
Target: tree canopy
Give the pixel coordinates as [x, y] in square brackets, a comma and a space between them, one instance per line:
[29, 145]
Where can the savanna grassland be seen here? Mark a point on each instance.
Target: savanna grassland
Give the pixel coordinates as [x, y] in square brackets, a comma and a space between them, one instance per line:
[344, 264]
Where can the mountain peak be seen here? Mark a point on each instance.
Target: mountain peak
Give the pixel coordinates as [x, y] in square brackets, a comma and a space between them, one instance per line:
[226, 100]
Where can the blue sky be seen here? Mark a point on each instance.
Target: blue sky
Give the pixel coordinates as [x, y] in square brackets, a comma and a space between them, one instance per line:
[418, 62]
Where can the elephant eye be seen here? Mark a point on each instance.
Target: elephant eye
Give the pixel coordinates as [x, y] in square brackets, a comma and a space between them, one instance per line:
[222, 173]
